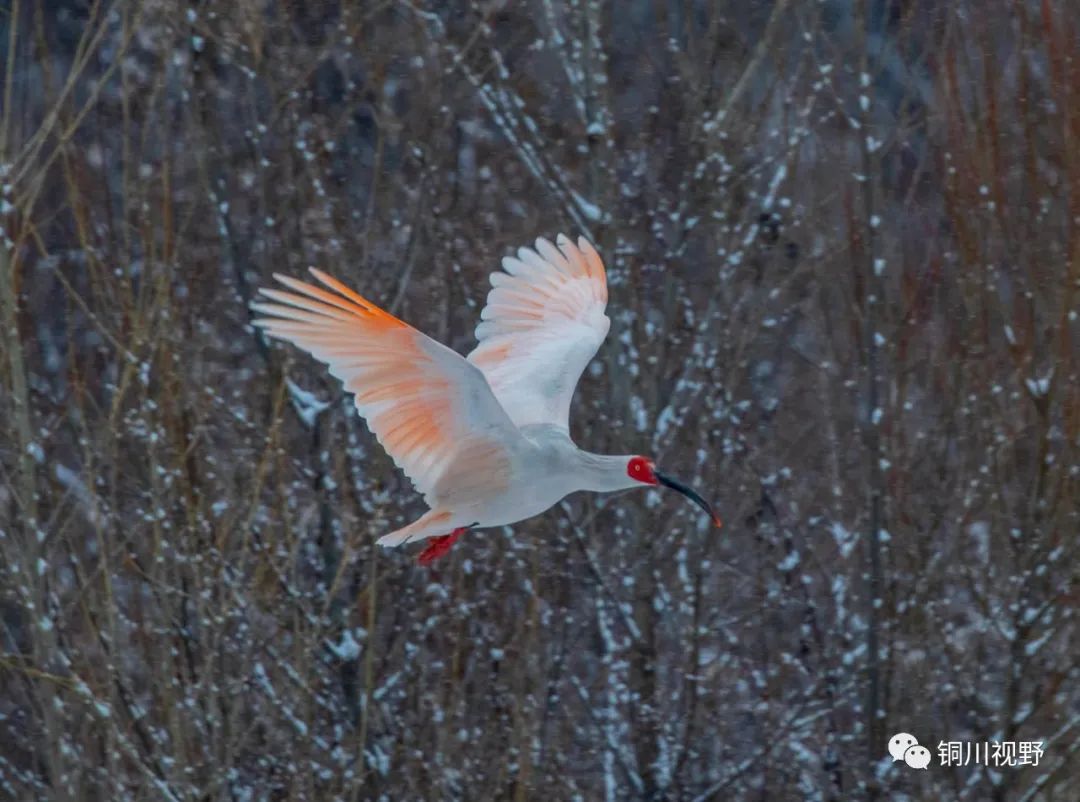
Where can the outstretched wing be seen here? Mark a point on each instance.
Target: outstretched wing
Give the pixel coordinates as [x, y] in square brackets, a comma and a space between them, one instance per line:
[430, 409]
[543, 321]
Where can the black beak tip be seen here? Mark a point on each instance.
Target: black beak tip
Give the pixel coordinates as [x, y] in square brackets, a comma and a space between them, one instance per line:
[691, 494]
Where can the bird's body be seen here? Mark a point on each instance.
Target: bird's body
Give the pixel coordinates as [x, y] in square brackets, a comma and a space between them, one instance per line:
[485, 438]
[544, 469]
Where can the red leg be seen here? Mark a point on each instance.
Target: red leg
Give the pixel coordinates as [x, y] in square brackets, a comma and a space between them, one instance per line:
[438, 546]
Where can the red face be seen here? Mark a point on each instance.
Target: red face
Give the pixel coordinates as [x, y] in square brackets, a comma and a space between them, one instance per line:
[642, 470]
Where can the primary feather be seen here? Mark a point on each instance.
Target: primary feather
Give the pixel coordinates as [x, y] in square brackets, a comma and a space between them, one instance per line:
[428, 407]
[544, 320]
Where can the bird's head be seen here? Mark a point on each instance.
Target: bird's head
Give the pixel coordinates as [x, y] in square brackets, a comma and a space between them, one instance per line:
[643, 469]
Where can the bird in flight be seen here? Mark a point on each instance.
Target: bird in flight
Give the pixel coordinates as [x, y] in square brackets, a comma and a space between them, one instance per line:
[484, 438]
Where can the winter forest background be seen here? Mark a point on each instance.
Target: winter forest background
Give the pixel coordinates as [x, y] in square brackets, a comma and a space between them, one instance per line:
[843, 243]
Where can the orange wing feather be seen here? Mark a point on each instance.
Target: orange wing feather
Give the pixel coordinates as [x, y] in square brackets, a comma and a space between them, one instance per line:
[429, 408]
[543, 321]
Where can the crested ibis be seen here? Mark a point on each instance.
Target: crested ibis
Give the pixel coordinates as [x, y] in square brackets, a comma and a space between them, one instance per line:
[485, 438]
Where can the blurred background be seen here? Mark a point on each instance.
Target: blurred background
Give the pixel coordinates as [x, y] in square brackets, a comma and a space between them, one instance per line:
[843, 248]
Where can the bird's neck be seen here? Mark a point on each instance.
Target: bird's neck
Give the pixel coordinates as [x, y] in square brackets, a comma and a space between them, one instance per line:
[603, 473]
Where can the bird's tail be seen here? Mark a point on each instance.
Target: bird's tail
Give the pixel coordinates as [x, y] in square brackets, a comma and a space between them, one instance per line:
[432, 523]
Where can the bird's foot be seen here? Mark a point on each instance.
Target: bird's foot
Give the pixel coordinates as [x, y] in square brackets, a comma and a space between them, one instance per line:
[439, 545]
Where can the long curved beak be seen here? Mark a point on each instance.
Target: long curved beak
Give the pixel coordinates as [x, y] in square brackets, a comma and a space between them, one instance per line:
[690, 493]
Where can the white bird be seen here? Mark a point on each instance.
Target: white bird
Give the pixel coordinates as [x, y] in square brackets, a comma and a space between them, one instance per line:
[485, 439]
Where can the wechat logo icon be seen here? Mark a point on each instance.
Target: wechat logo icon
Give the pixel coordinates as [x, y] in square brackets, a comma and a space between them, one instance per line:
[905, 746]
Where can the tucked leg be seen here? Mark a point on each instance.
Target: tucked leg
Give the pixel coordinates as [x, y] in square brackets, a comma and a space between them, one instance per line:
[439, 545]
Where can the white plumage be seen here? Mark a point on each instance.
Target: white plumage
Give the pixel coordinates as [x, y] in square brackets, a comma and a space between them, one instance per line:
[485, 439]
